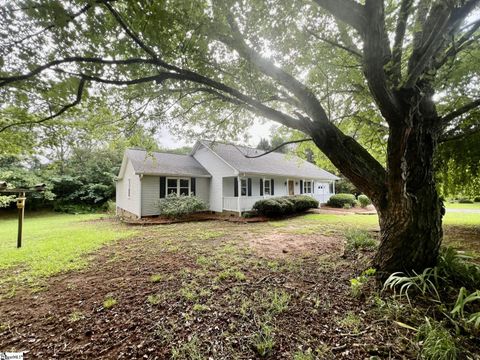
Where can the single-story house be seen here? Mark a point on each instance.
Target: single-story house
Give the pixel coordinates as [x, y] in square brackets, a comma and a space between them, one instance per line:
[218, 173]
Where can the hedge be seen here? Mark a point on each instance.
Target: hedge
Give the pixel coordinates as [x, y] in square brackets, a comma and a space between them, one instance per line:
[284, 205]
[340, 200]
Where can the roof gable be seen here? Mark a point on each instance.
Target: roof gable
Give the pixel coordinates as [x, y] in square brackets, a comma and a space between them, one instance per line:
[273, 163]
[156, 163]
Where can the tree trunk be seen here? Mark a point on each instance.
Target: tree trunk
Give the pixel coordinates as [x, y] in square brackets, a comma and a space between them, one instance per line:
[410, 216]
[411, 233]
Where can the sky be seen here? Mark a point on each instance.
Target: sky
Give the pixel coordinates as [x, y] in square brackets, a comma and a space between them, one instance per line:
[260, 129]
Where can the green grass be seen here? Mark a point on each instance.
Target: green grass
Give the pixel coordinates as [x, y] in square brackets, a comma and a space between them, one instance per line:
[52, 243]
[461, 219]
[462, 206]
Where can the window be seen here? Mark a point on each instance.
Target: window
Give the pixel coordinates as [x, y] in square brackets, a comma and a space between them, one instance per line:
[129, 187]
[243, 187]
[178, 186]
[307, 186]
[267, 187]
[184, 186]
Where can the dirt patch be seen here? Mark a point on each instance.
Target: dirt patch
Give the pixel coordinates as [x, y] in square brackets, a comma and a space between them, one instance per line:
[369, 210]
[280, 245]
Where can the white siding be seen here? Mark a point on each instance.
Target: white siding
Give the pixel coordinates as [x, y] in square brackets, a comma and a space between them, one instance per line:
[150, 195]
[320, 191]
[218, 169]
[129, 203]
[202, 186]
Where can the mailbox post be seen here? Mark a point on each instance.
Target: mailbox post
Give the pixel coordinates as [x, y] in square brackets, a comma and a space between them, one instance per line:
[21, 214]
[21, 198]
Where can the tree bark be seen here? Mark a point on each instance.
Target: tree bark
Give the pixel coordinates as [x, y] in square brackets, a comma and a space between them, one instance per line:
[411, 217]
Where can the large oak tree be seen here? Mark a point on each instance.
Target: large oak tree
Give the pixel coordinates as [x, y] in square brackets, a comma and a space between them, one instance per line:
[406, 71]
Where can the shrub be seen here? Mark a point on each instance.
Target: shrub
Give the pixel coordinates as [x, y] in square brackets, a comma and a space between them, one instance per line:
[176, 206]
[303, 202]
[465, 201]
[284, 205]
[477, 199]
[364, 201]
[339, 200]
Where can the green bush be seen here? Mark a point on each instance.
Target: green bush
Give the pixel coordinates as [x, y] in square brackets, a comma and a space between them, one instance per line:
[340, 200]
[284, 205]
[364, 201]
[174, 206]
[465, 201]
[477, 199]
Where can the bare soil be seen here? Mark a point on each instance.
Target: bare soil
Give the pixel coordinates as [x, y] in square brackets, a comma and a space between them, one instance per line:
[217, 283]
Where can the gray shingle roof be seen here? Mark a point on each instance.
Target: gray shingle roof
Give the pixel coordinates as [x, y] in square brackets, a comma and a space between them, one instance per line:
[271, 164]
[155, 163]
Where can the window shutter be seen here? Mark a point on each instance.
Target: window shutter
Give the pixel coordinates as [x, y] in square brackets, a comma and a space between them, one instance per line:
[235, 187]
[301, 186]
[313, 187]
[193, 185]
[162, 186]
[261, 187]
[272, 187]
[249, 186]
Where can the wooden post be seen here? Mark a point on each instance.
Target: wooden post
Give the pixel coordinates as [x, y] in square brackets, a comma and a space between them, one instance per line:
[21, 212]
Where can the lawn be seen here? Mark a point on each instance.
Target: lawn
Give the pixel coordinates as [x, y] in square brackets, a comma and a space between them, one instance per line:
[474, 206]
[202, 290]
[51, 244]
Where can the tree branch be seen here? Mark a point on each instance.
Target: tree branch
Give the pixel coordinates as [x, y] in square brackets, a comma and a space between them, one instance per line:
[306, 97]
[129, 32]
[397, 50]
[456, 134]
[348, 11]
[73, 59]
[376, 55]
[275, 149]
[333, 43]
[460, 111]
[78, 99]
[459, 45]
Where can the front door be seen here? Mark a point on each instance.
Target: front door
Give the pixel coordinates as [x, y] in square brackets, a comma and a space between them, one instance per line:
[290, 187]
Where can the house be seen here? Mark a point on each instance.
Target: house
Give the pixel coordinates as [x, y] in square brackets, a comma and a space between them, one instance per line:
[223, 175]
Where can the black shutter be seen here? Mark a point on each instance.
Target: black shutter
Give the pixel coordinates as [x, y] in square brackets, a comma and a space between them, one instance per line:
[313, 187]
[272, 187]
[162, 186]
[193, 185]
[235, 187]
[301, 186]
[261, 187]
[249, 186]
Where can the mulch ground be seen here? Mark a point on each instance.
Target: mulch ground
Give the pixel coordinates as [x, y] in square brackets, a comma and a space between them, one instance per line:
[68, 319]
